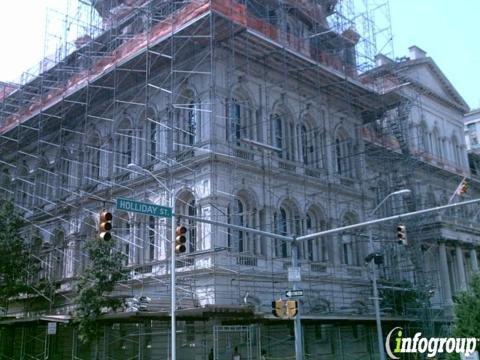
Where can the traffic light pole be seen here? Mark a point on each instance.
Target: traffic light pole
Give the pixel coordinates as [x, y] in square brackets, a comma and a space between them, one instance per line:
[294, 241]
[173, 299]
[385, 219]
[376, 298]
[297, 320]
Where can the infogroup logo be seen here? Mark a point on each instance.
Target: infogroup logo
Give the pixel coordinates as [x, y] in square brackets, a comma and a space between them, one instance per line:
[430, 346]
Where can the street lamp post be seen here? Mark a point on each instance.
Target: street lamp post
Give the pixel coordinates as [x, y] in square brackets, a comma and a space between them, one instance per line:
[173, 325]
[376, 300]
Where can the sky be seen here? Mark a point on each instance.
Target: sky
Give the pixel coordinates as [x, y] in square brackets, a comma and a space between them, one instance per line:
[447, 30]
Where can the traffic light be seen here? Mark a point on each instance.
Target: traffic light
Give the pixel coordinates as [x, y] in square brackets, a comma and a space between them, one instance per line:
[463, 188]
[105, 225]
[180, 239]
[292, 308]
[402, 234]
[278, 308]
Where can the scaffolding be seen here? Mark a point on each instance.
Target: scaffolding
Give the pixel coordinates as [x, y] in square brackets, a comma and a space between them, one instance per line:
[223, 102]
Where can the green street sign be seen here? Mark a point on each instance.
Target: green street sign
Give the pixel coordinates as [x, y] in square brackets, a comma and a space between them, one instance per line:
[143, 208]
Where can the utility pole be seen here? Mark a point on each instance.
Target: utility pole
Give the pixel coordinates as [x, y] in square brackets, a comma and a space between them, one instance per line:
[376, 299]
[297, 320]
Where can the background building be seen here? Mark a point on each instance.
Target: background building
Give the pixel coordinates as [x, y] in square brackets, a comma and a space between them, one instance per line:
[471, 129]
[266, 114]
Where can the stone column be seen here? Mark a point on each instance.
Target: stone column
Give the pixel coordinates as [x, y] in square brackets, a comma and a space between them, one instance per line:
[461, 267]
[474, 259]
[445, 279]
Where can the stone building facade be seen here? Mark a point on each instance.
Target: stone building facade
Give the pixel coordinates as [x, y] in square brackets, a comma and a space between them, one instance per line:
[249, 117]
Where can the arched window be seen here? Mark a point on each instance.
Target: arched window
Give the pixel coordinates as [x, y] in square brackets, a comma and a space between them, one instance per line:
[315, 249]
[239, 118]
[382, 191]
[286, 222]
[288, 30]
[64, 175]
[123, 140]
[437, 143]
[24, 187]
[45, 183]
[238, 217]
[187, 116]
[311, 144]
[456, 151]
[235, 128]
[277, 125]
[283, 135]
[186, 205]
[308, 146]
[88, 231]
[58, 255]
[150, 120]
[352, 250]
[344, 153]
[281, 248]
[423, 139]
[242, 212]
[126, 241]
[92, 159]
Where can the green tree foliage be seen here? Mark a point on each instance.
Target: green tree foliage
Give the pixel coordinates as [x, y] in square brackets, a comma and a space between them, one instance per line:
[467, 311]
[103, 272]
[402, 298]
[17, 265]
